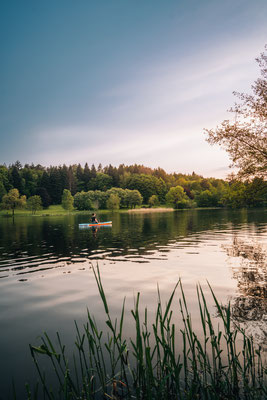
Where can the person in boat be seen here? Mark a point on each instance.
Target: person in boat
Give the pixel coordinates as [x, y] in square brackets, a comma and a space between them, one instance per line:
[94, 219]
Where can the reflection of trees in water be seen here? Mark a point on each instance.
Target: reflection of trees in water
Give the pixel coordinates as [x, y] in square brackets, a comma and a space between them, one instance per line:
[250, 308]
[61, 235]
[251, 274]
[141, 235]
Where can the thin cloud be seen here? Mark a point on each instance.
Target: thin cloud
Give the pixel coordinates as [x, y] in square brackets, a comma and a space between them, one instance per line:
[212, 73]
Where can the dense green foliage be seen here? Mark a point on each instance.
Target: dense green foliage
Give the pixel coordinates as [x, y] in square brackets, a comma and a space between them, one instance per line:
[67, 200]
[134, 185]
[163, 359]
[113, 202]
[13, 200]
[177, 197]
[34, 203]
[153, 201]
[112, 199]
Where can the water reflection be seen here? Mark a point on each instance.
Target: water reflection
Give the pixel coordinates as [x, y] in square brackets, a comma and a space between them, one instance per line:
[46, 282]
[39, 243]
[249, 308]
[251, 273]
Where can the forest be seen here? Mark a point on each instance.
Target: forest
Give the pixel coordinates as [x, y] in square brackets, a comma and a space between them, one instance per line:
[125, 187]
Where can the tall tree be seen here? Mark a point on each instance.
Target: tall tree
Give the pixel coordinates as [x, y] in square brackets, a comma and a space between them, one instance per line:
[133, 198]
[113, 202]
[30, 176]
[103, 182]
[177, 197]
[5, 178]
[64, 177]
[93, 171]
[17, 179]
[113, 173]
[245, 137]
[2, 190]
[147, 185]
[56, 188]
[86, 177]
[72, 181]
[34, 203]
[67, 200]
[43, 193]
[79, 176]
[13, 200]
[45, 182]
[153, 201]
[256, 193]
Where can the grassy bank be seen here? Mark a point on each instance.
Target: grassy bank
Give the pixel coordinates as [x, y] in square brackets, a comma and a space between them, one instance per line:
[57, 210]
[161, 360]
[150, 210]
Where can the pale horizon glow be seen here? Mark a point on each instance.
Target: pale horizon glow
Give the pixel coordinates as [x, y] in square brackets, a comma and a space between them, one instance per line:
[126, 83]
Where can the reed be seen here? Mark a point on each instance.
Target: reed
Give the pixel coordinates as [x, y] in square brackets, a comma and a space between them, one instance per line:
[149, 365]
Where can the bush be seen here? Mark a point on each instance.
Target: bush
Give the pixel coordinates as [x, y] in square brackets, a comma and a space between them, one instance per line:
[113, 202]
[83, 201]
[13, 200]
[153, 201]
[34, 203]
[177, 198]
[133, 198]
[67, 200]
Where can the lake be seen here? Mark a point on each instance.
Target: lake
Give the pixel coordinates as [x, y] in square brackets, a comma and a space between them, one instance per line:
[47, 281]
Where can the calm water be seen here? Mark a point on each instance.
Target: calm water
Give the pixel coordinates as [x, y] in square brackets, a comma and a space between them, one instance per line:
[46, 279]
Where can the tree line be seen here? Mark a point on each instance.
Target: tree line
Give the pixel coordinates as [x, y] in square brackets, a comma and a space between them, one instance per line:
[126, 187]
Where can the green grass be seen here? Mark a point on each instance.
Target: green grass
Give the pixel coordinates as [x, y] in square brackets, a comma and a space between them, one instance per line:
[149, 365]
[55, 210]
[52, 210]
[58, 210]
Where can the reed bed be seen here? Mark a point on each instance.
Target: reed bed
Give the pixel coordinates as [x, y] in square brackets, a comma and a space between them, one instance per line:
[148, 366]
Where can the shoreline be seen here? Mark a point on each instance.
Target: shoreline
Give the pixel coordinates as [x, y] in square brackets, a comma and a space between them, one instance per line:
[58, 211]
[150, 210]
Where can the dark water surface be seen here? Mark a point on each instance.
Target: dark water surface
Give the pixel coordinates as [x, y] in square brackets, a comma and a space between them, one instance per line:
[46, 278]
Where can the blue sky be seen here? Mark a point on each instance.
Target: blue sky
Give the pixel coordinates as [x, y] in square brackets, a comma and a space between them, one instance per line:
[126, 81]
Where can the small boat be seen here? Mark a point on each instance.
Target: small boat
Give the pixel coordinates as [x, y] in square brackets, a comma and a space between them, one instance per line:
[90, 224]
